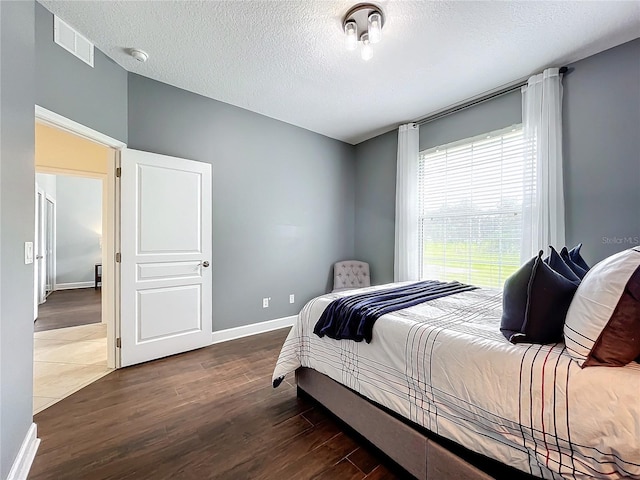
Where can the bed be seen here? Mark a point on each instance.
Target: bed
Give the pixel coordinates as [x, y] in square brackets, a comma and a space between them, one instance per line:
[444, 367]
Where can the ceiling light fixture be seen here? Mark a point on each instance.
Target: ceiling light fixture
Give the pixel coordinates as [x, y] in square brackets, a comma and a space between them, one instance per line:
[363, 23]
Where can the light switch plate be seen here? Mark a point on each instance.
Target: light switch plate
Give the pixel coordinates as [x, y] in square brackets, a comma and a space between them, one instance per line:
[28, 253]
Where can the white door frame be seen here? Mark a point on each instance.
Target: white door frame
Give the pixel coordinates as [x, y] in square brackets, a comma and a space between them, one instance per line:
[110, 222]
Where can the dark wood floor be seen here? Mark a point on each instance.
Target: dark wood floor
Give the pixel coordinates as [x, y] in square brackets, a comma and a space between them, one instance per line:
[69, 308]
[211, 413]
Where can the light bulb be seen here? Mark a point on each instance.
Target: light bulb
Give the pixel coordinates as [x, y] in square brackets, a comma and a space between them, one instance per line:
[367, 49]
[375, 27]
[351, 32]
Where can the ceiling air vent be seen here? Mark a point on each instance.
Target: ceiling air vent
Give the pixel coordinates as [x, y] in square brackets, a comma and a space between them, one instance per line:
[72, 41]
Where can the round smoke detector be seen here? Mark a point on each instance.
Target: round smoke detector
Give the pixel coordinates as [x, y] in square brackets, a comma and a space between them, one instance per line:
[139, 55]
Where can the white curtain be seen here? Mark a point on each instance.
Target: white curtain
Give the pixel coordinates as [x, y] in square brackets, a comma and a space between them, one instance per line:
[406, 265]
[543, 202]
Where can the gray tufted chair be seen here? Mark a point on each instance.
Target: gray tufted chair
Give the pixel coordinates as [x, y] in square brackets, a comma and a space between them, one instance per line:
[350, 274]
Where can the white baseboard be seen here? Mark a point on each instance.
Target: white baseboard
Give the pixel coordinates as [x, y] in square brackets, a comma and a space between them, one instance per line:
[253, 329]
[22, 464]
[72, 285]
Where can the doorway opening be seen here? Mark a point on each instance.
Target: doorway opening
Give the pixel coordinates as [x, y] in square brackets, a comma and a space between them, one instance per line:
[68, 248]
[74, 269]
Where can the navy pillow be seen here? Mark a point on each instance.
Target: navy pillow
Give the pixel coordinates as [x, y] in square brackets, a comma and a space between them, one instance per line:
[556, 262]
[535, 303]
[577, 269]
[514, 300]
[574, 255]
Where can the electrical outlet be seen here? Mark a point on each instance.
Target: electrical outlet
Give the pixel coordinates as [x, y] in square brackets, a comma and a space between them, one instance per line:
[292, 298]
[265, 302]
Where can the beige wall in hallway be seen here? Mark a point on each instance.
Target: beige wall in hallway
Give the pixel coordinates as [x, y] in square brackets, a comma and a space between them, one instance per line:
[60, 150]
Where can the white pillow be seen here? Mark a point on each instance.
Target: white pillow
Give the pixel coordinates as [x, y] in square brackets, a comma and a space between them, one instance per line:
[595, 301]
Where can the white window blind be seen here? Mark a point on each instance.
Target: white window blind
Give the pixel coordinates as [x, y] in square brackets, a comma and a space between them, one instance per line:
[470, 208]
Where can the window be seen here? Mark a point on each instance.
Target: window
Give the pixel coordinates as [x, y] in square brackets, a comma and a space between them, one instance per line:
[470, 208]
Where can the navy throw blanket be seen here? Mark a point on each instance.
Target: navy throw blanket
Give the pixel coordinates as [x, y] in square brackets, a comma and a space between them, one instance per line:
[353, 317]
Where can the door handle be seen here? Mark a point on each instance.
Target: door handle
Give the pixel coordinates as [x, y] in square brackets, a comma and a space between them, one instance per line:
[205, 264]
[39, 257]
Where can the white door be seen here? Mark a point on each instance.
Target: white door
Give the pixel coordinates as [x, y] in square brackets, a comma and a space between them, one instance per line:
[166, 284]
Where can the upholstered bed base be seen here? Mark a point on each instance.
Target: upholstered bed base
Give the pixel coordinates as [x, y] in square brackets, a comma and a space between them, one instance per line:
[409, 446]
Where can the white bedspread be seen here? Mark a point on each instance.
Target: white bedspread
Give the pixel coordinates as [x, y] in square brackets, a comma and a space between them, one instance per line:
[445, 365]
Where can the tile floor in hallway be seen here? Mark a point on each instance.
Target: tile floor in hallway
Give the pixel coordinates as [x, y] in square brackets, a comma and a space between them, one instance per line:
[66, 360]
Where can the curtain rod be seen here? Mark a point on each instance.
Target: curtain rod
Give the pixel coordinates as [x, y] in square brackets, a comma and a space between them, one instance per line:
[470, 103]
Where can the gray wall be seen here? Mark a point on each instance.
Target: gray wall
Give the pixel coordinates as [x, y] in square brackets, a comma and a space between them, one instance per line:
[376, 204]
[283, 197]
[17, 180]
[602, 151]
[78, 228]
[494, 114]
[376, 175]
[95, 97]
[601, 130]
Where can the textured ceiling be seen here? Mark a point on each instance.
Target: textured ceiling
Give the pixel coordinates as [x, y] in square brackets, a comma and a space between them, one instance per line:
[286, 59]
